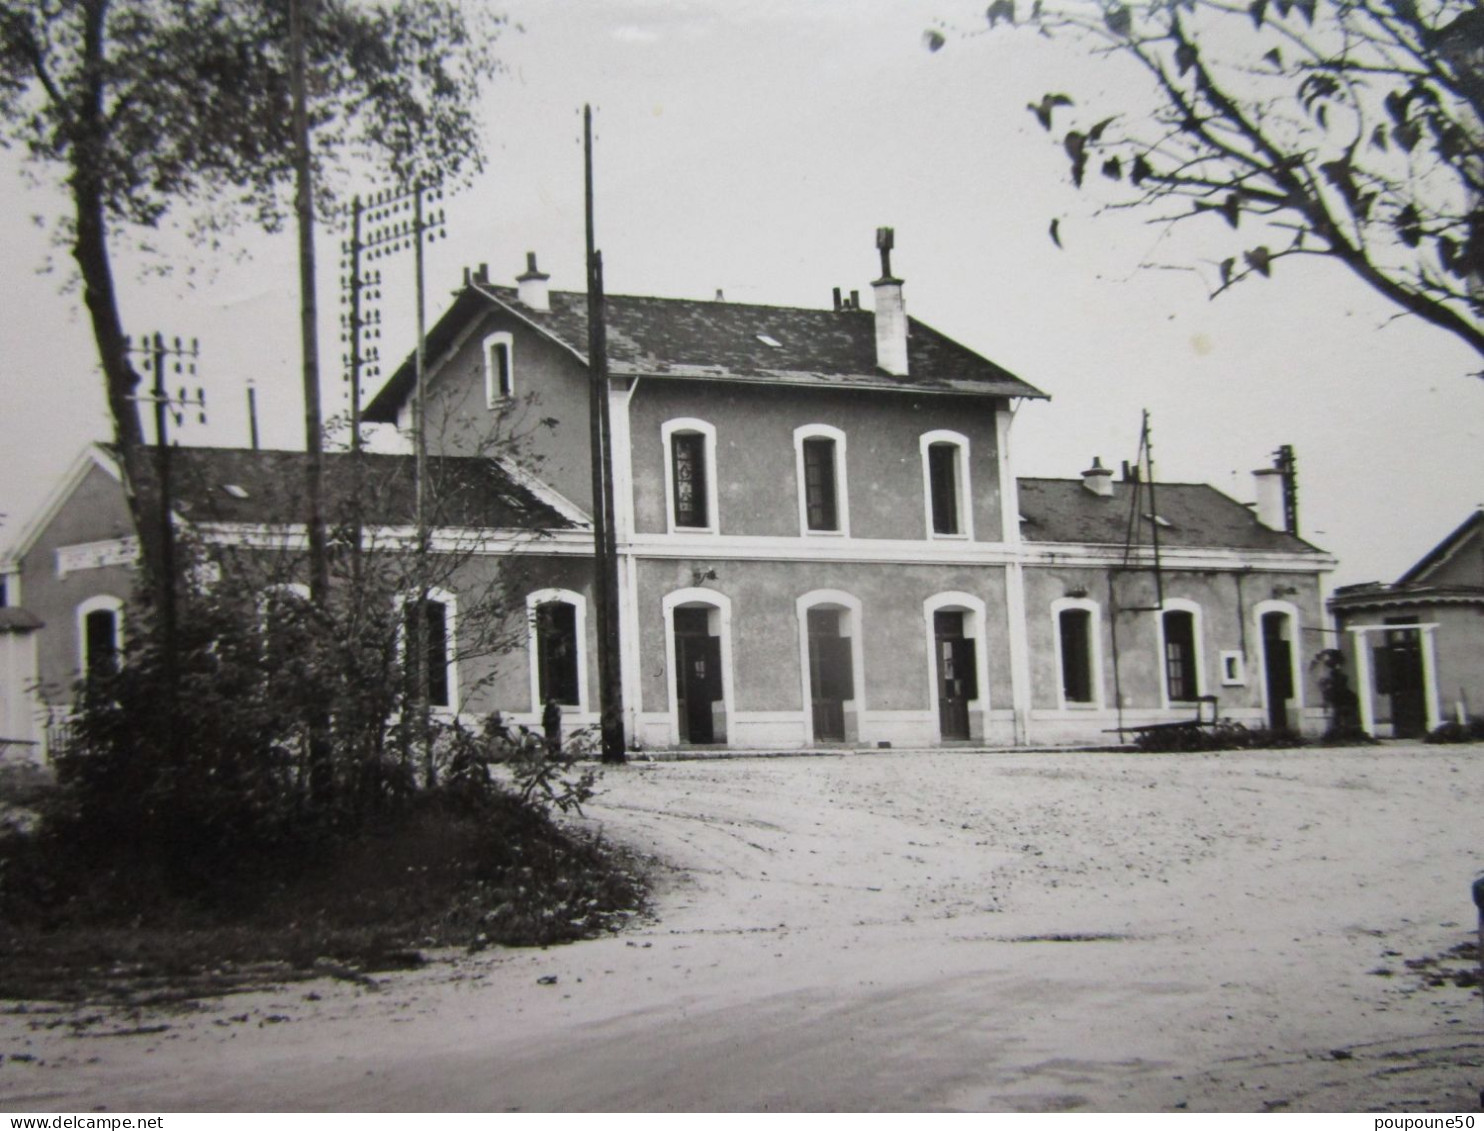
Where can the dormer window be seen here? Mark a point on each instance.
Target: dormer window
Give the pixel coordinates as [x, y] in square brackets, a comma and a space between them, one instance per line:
[769, 340]
[499, 368]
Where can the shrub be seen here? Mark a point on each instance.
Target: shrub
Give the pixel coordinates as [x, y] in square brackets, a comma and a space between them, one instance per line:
[1453, 732]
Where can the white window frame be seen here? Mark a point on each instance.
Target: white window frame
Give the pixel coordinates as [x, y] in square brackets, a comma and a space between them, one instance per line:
[1295, 627]
[721, 605]
[99, 603]
[962, 490]
[533, 645]
[1197, 629]
[493, 395]
[1094, 651]
[842, 495]
[851, 604]
[667, 430]
[974, 606]
[450, 604]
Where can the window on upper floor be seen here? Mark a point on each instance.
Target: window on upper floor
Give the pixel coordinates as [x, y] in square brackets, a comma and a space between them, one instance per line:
[945, 470]
[499, 368]
[690, 474]
[820, 459]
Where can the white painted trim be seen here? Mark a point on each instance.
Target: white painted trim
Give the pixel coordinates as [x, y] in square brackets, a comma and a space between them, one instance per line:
[852, 606]
[1172, 605]
[516, 311]
[713, 516]
[1094, 652]
[450, 602]
[723, 606]
[90, 457]
[447, 540]
[963, 491]
[1004, 417]
[1295, 647]
[533, 649]
[493, 395]
[842, 492]
[622, 446]
[1175, 557]
[97, 555]
[101, 602]
[1432, 708]
[974, 606]
[544, 492]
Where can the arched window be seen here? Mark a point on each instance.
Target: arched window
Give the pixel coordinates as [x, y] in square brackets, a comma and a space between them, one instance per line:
[438, 658]
[558, 647]
[100, 635]
[945, 484]
[499, 368]
[1078, 638]
[690, 475]
[819, 456]
[1180, 650]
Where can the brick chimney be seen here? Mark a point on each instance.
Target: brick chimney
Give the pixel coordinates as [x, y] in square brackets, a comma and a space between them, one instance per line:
[1098, 479]
[532, 288]
[891, 312]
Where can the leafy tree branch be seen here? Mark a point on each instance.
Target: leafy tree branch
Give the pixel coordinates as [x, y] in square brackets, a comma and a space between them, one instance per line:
[1349, 129]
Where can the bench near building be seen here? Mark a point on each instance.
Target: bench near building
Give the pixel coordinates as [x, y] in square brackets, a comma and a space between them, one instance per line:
[820, 536]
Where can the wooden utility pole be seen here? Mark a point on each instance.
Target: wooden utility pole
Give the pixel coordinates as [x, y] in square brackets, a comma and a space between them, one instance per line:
[319, 559]
[605, 544]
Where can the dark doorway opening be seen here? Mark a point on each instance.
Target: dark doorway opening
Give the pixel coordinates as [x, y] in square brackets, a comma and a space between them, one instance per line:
[698, 674]
[1399, 676]
[831, 674]
[1277, 653]
[958, 677]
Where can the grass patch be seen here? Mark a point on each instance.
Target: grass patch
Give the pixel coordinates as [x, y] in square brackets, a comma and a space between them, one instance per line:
[449, 873]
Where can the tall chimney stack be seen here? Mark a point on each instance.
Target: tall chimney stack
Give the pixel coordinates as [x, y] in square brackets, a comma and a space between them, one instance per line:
[891, 312]
[1269, 484]
[532, 288]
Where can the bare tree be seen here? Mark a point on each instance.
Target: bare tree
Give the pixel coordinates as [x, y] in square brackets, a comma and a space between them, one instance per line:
[1348, 129]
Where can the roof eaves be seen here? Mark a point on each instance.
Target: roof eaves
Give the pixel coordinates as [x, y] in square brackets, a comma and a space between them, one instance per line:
[1443, 550]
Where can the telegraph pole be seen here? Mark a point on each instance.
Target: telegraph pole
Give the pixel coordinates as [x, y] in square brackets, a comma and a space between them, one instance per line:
[399, 220]
[159, 355]
[605, 547]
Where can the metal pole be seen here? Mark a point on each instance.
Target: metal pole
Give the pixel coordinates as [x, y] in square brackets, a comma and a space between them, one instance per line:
[252, 414]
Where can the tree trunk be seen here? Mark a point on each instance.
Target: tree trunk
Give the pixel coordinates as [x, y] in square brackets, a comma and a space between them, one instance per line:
[90, 251]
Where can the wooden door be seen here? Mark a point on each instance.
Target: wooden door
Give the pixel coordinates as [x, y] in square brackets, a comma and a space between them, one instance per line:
[831, 675]
[957, 677]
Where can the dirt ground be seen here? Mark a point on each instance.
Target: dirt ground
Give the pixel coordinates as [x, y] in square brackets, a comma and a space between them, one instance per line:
[1243, 931]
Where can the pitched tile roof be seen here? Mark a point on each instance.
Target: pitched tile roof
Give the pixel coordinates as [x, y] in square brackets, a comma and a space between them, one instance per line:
[1063, 510]
[728, 341]
[254, 486]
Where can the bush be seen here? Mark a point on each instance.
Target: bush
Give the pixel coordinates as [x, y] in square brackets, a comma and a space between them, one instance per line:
[1452, 732]
[1223, 735]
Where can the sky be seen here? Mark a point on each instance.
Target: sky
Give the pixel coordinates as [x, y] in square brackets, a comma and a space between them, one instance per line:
[753, 147]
